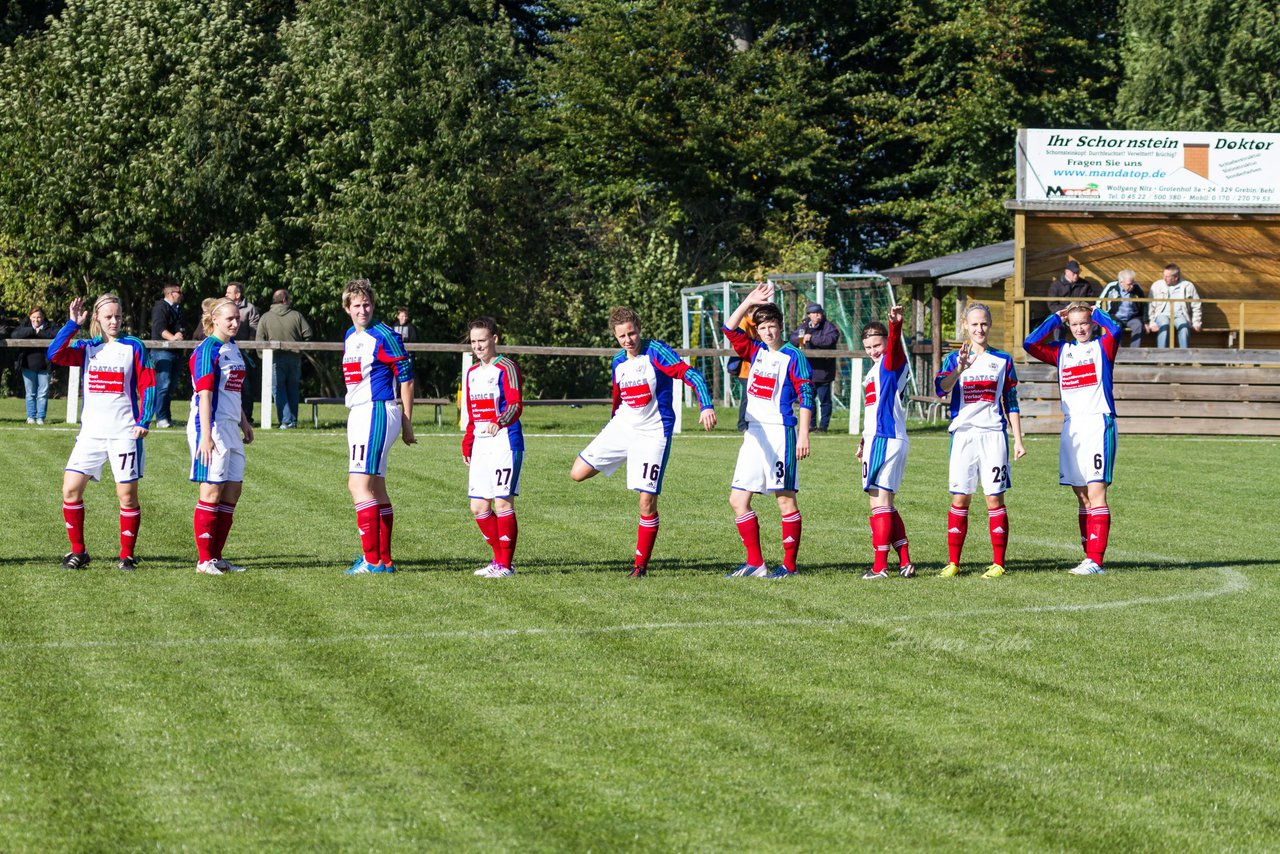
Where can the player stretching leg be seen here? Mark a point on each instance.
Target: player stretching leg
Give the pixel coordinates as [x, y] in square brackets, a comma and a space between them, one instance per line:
[373, 360]
[982, 386]
[214, 433]
[1087, 453]
[118, 403]
[775, 439]
[883, 447]
[493, 446]
[639, 433]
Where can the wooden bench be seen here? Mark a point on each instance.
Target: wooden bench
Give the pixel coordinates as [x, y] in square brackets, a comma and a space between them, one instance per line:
[438, 402]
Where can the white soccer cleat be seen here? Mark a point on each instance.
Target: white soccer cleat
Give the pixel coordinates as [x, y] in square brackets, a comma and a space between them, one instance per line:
[1086, 567]
[497, 570]
[227, 566]
[484, 570]
[208, 567]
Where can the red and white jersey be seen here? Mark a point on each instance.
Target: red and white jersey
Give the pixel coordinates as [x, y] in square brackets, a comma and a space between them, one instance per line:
[1084, 370]
[492, 393]
[218, 367]
[373, 361]
[985, 392]
[885, 414]
[643, 396]
[117, 382]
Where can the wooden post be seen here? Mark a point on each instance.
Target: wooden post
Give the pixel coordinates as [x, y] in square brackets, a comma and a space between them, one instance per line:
[268, 383]
[1242, 325]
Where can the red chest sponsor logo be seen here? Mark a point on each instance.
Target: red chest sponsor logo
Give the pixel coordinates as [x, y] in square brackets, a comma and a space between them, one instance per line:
[484, 409]
[978, 391]
[1080, 376]
[235, 379]
[636, 395]
[106, 381]
[351, 372]
[869, 394]
[762, 386]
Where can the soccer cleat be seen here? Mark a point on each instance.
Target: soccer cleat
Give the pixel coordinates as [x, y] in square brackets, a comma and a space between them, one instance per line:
[994, 571]
[780, 572]
[1086, 567]
[499, 571]
[907, 570]
[873, 574]
[227, 566]
[484, 570]
[385, 567]
[208, 567]
[75, 560]
[638, 572]
[746, 570]
[361, 567]
[128, 564]
[951, 570]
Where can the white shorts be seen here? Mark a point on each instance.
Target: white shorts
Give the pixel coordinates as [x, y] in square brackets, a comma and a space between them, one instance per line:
[125, 455]
[495, 469]
[372, 429]
[979, 458]
[767, 459]
[645, 456]
[884, 461]
[227, 463]
[1087, 453]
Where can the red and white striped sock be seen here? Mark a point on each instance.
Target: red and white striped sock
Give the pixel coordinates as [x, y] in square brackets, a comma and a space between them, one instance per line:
[368, 525]
[1099, 533]
[957, 530]
[226, 515]
[508, 533]
[791, 526]
[73, 516]
[130, 523]
[205, 524]
[881, 526]
[386, 521]
[646, 535]
[998, 521]
[898, 538]
[749, 529]
[488, 524]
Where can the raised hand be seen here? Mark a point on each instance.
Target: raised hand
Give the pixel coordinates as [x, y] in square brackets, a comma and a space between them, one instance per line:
[895, 314]
[78, 312]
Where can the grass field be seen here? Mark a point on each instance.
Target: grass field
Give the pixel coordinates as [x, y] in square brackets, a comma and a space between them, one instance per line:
[569, 709]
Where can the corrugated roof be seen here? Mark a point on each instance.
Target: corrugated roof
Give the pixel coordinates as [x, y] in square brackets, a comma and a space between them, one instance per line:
[979, 277]
[933, 269]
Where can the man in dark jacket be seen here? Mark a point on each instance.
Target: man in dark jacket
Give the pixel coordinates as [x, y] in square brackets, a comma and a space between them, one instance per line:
[166, 325]
[1068, 288]
[818, 333]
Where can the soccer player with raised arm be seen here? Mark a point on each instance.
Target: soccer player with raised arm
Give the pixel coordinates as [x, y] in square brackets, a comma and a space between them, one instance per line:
[1087, 452]
[215, 431]
[373, 361]
[775, 439]
[883, 447]
[118, 403]
[982, 387]
[639, 434]
[493, 445]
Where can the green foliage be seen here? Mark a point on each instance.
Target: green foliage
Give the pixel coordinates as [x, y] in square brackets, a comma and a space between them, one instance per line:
[21, 287]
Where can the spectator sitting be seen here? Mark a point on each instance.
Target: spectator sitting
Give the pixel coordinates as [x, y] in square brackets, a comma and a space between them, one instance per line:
[1069, 287]
[1118, 301]
[1186, 314]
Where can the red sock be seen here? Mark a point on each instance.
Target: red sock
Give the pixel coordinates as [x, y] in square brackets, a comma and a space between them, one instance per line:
[898, 539]
[881, 525]
[368, 525]
[1083, 519]
[488, 524]
[790, 540]
[205, 524]
[998, 520]
[226, 514]
[957, 530]
[1099, 532]
[130, 522]
[646, 534]
[508, 533]
[73, 514]
[386, 521]
[749, 530]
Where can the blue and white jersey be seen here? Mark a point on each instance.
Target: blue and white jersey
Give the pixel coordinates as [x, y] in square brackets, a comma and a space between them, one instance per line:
[885, 413]
[118, 383]
[372, 362]
[1084, 370]
[985, 393]
[777, 380]
[218, 367]
[643, 387]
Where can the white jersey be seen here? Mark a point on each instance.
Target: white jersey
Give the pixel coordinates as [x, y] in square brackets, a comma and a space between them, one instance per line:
[373, 361]
[984, 394]
[643, 388]
[118, 383]
[1084, 370]
[218, 367]
[886, 415]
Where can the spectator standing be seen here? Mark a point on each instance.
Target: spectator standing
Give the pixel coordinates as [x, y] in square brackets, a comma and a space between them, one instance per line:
[741, 368]
[35, 364]
[403, 327]
[818, 333]
[250, 319]
[285, 324]
[166, 325]
[1118, 301]
[1186, 315]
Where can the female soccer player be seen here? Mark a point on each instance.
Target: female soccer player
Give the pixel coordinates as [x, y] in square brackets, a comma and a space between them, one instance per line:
[639, 433]
[982, 386]
[1087, 453]
[119, 401]
[884, 446]
[775, 439]
[493, 445]
[373, 361]
[214, 433]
